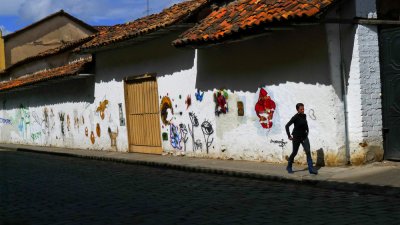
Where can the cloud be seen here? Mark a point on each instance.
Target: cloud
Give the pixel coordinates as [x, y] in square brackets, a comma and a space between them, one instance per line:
[91, 11]
[4, 30]
[10, 7]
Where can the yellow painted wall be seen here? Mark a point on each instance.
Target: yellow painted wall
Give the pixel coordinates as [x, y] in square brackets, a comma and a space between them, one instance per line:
[2, 53]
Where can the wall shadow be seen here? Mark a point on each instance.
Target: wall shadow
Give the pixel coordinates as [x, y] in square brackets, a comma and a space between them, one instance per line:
[67, 91]
[298, 55]
[153, 56]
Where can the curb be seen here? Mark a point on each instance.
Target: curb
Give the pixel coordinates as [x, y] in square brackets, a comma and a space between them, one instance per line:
[361, 188]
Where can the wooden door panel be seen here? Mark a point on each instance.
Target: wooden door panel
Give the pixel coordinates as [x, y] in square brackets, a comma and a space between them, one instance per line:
[143, 116]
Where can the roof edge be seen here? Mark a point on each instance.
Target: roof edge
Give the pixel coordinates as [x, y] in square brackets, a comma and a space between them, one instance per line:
[37, 23]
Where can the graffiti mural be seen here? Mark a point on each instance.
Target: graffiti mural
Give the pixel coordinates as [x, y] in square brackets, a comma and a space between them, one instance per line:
[195, 123]
[5, 121]
[24, 120]
[101, 108]
[36, 118]
[208, 130]
[36, 135]
[220, 99]
[121, 115]
[199, 95]
[240, 108]
[188, 102]
[113, 137]
[76, 120]
[165, 136]
[92, 138]
[68, 123]
[183, 132]
[175, 137]
[166, 110]
[49, 121]
[282, 143]
[198, 145]
[265, 108]
[98, 130]
[311, 114]
[61, 116]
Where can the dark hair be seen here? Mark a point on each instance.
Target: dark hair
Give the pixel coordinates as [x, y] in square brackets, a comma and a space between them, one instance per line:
[298, 105]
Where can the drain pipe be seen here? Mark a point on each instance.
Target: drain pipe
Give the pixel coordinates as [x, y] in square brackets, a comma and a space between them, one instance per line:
[344, 96]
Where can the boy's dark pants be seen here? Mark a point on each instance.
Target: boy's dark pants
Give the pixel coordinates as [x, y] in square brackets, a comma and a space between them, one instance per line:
[296, 144]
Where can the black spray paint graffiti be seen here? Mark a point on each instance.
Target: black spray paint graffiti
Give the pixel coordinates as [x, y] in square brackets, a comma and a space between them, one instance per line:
[311, 114]
[37, 119]
[281, 143]
[195, 123]
[5, 121]
[49, 122]
[61, 115]
[184, 132]
[198, 145]
[208, 130]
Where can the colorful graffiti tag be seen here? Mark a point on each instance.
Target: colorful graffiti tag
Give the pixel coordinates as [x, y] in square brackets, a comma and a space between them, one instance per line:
[166, 110]
[101, 108]
[175, 137]
[199, 95]
[220, 99]
[5, 121]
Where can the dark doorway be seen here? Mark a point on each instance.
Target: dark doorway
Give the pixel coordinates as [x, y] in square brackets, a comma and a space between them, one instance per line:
[390, 61]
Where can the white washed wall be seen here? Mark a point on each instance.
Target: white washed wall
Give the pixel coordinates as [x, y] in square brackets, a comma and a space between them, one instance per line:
[290, 70]
[28, 118]
[242, 137]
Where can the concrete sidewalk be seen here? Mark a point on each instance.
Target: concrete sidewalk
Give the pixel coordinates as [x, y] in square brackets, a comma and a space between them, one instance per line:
[376, 178]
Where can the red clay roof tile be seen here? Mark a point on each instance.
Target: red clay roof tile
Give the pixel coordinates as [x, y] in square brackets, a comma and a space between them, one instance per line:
[68, 70]
[121, 32]
[247, 14]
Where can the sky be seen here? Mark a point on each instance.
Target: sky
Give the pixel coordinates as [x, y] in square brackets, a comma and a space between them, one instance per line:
[17, 14]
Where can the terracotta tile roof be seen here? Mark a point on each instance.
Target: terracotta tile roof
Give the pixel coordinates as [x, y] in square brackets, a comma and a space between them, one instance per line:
[245, 15]
[170, 16]
[63, 48]
[68, 70]
[101, 28]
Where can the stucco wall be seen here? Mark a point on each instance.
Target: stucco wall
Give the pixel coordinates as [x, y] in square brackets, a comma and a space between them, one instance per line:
[64, 114]
[290, 70]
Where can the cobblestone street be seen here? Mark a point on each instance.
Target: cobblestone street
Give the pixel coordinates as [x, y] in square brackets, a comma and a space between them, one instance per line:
[47, 189]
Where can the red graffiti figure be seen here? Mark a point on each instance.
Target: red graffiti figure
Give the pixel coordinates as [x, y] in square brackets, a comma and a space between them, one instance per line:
[221, 106]
[265, 108]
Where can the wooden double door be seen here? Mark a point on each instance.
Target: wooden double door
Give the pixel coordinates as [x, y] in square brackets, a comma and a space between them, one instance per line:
[143, 120]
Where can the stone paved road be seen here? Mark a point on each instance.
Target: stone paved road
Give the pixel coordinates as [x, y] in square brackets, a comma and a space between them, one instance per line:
[45, 189]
